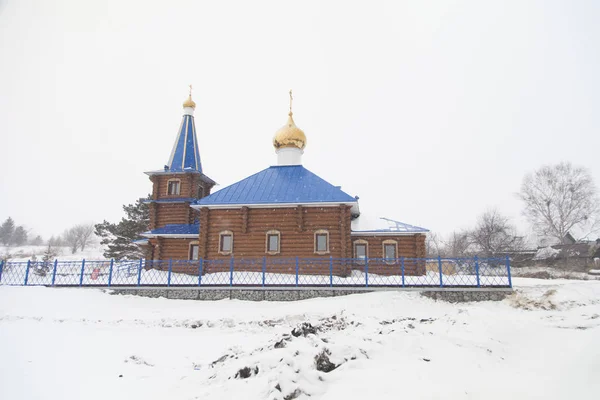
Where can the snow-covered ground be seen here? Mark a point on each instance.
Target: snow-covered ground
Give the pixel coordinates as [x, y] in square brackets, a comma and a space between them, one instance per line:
[543, 342]
[93, 251]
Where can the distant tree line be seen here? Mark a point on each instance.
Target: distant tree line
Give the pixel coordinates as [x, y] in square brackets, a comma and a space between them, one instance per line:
[492, 235]
[12, 235]
[557, 200]
[76, 238]
[116, 237]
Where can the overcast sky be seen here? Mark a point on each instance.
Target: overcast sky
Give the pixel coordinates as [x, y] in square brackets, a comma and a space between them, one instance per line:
[430, 111]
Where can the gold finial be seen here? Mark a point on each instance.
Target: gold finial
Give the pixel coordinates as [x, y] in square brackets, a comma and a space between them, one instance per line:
[290, 135]
[189, 102]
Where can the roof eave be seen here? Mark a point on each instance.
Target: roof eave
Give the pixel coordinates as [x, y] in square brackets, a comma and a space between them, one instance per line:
[387, 233]
[171, 235]
[169, 172]
[272, 205]
[183, 200]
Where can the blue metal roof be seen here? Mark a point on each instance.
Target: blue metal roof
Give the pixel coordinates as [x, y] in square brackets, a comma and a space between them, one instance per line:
[185, 155]
[279, 184]
[175, 229]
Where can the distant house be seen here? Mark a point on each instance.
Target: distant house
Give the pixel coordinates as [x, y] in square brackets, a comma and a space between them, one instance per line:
[572, 253]
[569, 239]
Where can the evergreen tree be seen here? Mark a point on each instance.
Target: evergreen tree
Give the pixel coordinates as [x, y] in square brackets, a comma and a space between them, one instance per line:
[20, 236]
[37, 241]
[119, 237]
[50, 254]
[7, 229]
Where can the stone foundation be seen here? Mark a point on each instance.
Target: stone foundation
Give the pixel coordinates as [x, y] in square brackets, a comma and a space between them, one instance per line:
[275, 294]
[466, 296]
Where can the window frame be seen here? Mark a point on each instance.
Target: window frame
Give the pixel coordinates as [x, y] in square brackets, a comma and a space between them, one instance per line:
[190, 245]
[389, 242]
[360, 242]
[178, 187]
[268, 236]
[321, 232]
[200, 192]
[220, 244]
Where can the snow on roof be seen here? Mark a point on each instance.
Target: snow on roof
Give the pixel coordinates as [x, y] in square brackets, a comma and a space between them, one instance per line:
[545, 253]
[291, 184]
[365, 224]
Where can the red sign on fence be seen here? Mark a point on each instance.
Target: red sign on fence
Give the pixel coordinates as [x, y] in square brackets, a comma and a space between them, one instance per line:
[95, 273]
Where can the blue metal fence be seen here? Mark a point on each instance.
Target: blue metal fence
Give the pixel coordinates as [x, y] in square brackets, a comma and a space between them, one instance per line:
[263, 272]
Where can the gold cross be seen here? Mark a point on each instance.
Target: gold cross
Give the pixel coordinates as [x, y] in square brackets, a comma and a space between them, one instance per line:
[291, 98]
[190, 90]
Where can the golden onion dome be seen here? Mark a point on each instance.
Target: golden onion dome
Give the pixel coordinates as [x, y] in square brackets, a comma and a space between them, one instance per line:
[289, 135]
[189, 102]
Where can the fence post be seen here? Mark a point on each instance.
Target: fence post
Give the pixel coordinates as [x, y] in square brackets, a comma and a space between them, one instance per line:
[140, 272]
[366, 271]
[296, 270]
[110, 271]
[54, 271]
[330, 271]
[27, 272]
[477, 270]
[1, 268]
[170, 271]
[402, 265]
[82, 270]
[264, 270]
[508, 271]
[231, 271]
[200, 271]
[440, 267]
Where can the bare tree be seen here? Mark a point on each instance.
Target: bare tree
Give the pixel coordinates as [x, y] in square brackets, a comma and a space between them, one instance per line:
[71, 239]
[434, 245]
[85, 231]
[559, 198]
[457, 245]
[494, 235]
[78, 236]
[55, 241]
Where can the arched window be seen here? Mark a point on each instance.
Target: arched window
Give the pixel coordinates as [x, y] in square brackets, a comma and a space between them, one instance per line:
[173, 187]
[273, 242]
[194, 251]
[200, 191]
[390, 251]
[226, 242]
[361, 251]
[322, 241]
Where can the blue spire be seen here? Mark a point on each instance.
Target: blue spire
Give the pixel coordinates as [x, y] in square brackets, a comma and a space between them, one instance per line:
[185, 155]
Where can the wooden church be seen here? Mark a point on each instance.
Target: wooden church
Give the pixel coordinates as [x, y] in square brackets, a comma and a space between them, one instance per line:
[283, 211]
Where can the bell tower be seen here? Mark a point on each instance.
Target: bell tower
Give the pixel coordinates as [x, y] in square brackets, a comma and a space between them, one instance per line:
[181, 181]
